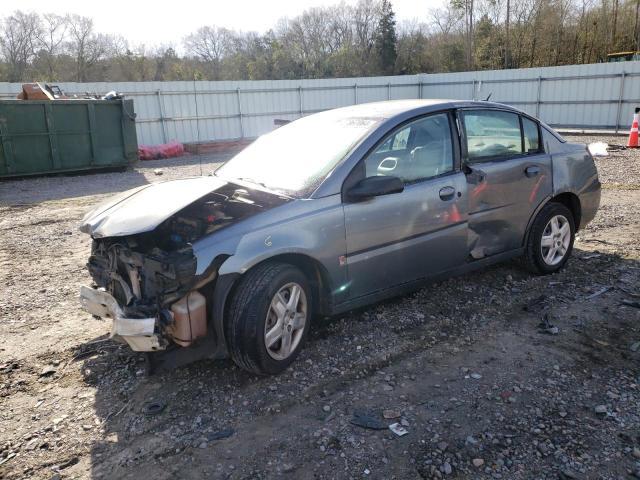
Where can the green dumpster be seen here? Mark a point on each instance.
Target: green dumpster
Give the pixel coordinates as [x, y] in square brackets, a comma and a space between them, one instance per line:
[40, 137]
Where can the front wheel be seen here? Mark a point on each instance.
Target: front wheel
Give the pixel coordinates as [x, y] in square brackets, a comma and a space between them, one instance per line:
[551, 239]
[269, 318]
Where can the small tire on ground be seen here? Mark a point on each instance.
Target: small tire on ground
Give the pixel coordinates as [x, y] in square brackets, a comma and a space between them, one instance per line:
[245, 323]
[533, 249]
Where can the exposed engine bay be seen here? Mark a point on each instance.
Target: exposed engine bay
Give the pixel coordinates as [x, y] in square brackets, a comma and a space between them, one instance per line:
[150, 267]
[152, 275]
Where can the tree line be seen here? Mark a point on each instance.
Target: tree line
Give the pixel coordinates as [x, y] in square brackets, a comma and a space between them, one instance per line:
[343, 40]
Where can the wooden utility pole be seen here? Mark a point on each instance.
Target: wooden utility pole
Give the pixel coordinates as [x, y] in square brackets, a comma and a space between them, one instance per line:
[615, 25]
[635, 28]
[468, 10]
[507, 62]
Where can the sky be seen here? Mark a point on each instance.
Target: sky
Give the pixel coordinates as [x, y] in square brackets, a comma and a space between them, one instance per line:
[169, 21]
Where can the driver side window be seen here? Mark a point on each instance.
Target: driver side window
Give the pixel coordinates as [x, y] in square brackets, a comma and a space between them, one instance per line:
[417, 151]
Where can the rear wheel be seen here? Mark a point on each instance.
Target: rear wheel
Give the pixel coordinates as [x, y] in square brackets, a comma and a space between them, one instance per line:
[551, 239]
[269, 318]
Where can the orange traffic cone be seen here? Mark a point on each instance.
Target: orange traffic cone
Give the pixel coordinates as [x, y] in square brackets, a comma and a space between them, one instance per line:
[633, 134]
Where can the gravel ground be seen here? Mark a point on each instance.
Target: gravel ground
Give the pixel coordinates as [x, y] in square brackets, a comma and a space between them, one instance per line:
[463, 365]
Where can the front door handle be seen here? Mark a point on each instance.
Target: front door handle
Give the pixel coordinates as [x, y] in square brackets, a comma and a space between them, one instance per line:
[532, 171]
[447, 193]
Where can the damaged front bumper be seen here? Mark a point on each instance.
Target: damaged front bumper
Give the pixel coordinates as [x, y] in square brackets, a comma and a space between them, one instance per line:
[139, 333]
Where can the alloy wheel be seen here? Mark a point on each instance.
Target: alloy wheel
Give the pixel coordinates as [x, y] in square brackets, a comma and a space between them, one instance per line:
[286, 319]
[556, 239]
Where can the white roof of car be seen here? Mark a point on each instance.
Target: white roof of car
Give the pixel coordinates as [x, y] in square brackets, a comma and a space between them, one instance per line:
[390, 108]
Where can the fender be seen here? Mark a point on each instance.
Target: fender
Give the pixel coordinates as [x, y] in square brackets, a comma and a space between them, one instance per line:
[540, 206]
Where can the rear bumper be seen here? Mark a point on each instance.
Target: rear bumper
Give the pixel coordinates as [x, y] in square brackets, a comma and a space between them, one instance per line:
[139, 333]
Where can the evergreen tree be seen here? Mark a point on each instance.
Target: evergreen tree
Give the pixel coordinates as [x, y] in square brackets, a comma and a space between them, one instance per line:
[386, 39]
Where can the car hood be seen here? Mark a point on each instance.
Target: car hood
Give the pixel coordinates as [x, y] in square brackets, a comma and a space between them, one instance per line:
[142, 209]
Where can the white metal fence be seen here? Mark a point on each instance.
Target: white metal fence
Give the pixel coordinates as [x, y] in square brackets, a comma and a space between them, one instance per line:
[596, 96]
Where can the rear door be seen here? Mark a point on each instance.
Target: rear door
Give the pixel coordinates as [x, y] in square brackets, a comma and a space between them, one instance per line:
[395, 239]
[508, 175]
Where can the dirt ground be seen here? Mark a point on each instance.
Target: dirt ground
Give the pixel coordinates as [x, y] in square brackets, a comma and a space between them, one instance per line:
[463, 365]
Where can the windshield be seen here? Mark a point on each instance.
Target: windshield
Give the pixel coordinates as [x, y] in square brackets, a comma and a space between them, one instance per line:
[295, 158]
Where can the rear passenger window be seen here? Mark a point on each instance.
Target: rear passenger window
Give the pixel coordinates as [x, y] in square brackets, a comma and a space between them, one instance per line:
[531, 136]
[492, 134]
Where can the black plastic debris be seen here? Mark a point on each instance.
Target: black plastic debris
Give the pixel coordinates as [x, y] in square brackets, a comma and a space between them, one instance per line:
[536, 305]
[631, 303]
[219, 435]
[566, 474]
[154, 408]
[367, 420]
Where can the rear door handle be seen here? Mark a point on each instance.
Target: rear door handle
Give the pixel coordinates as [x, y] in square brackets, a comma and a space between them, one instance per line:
[532, 171]
[447, 193]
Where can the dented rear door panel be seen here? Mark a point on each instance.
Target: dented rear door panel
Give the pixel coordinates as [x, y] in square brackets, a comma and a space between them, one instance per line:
[503, 194]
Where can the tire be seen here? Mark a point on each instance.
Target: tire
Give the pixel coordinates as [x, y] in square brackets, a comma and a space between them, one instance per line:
[255, 310]
[540, 259]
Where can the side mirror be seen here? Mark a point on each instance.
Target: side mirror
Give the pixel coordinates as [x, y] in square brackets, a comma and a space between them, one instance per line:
[374, 187]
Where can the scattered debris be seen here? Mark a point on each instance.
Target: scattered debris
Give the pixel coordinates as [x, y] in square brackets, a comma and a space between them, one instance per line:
[566, 474]
[536, 305]
[598, 149]
[599, 292]
[69, 462]
[398, 429]
[635, 346]
[600, 409]
[631, 303]
[48, 371]
[546, 327]
[221, 434]
[158, 171]
[616, 148]
[391, 414]
[476, 376]
[477, 462]
[9, 366]
[423, 342]
[7, 458]
[367, 420]
[154, 408]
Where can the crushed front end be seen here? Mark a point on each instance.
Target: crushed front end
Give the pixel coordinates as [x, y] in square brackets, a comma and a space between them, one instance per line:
[144, 268]
[136, 285]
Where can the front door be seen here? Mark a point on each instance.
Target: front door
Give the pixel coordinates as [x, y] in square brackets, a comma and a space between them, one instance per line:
[508, 176]
[397, 238]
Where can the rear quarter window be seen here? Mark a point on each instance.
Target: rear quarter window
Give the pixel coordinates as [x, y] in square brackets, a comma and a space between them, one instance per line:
[531, 135]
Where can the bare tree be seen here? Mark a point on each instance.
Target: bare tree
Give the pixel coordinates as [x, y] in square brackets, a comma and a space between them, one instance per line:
[18, 37]
[51, 38]
[86, 47]
[210, 44]
[341, 28]
[445, 20]
[337, 40]
[365, 18]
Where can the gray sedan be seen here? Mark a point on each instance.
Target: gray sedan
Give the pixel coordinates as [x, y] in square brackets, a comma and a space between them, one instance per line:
[328, 213]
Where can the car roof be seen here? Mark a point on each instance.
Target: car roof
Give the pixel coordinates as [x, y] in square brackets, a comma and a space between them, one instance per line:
[391, 108]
